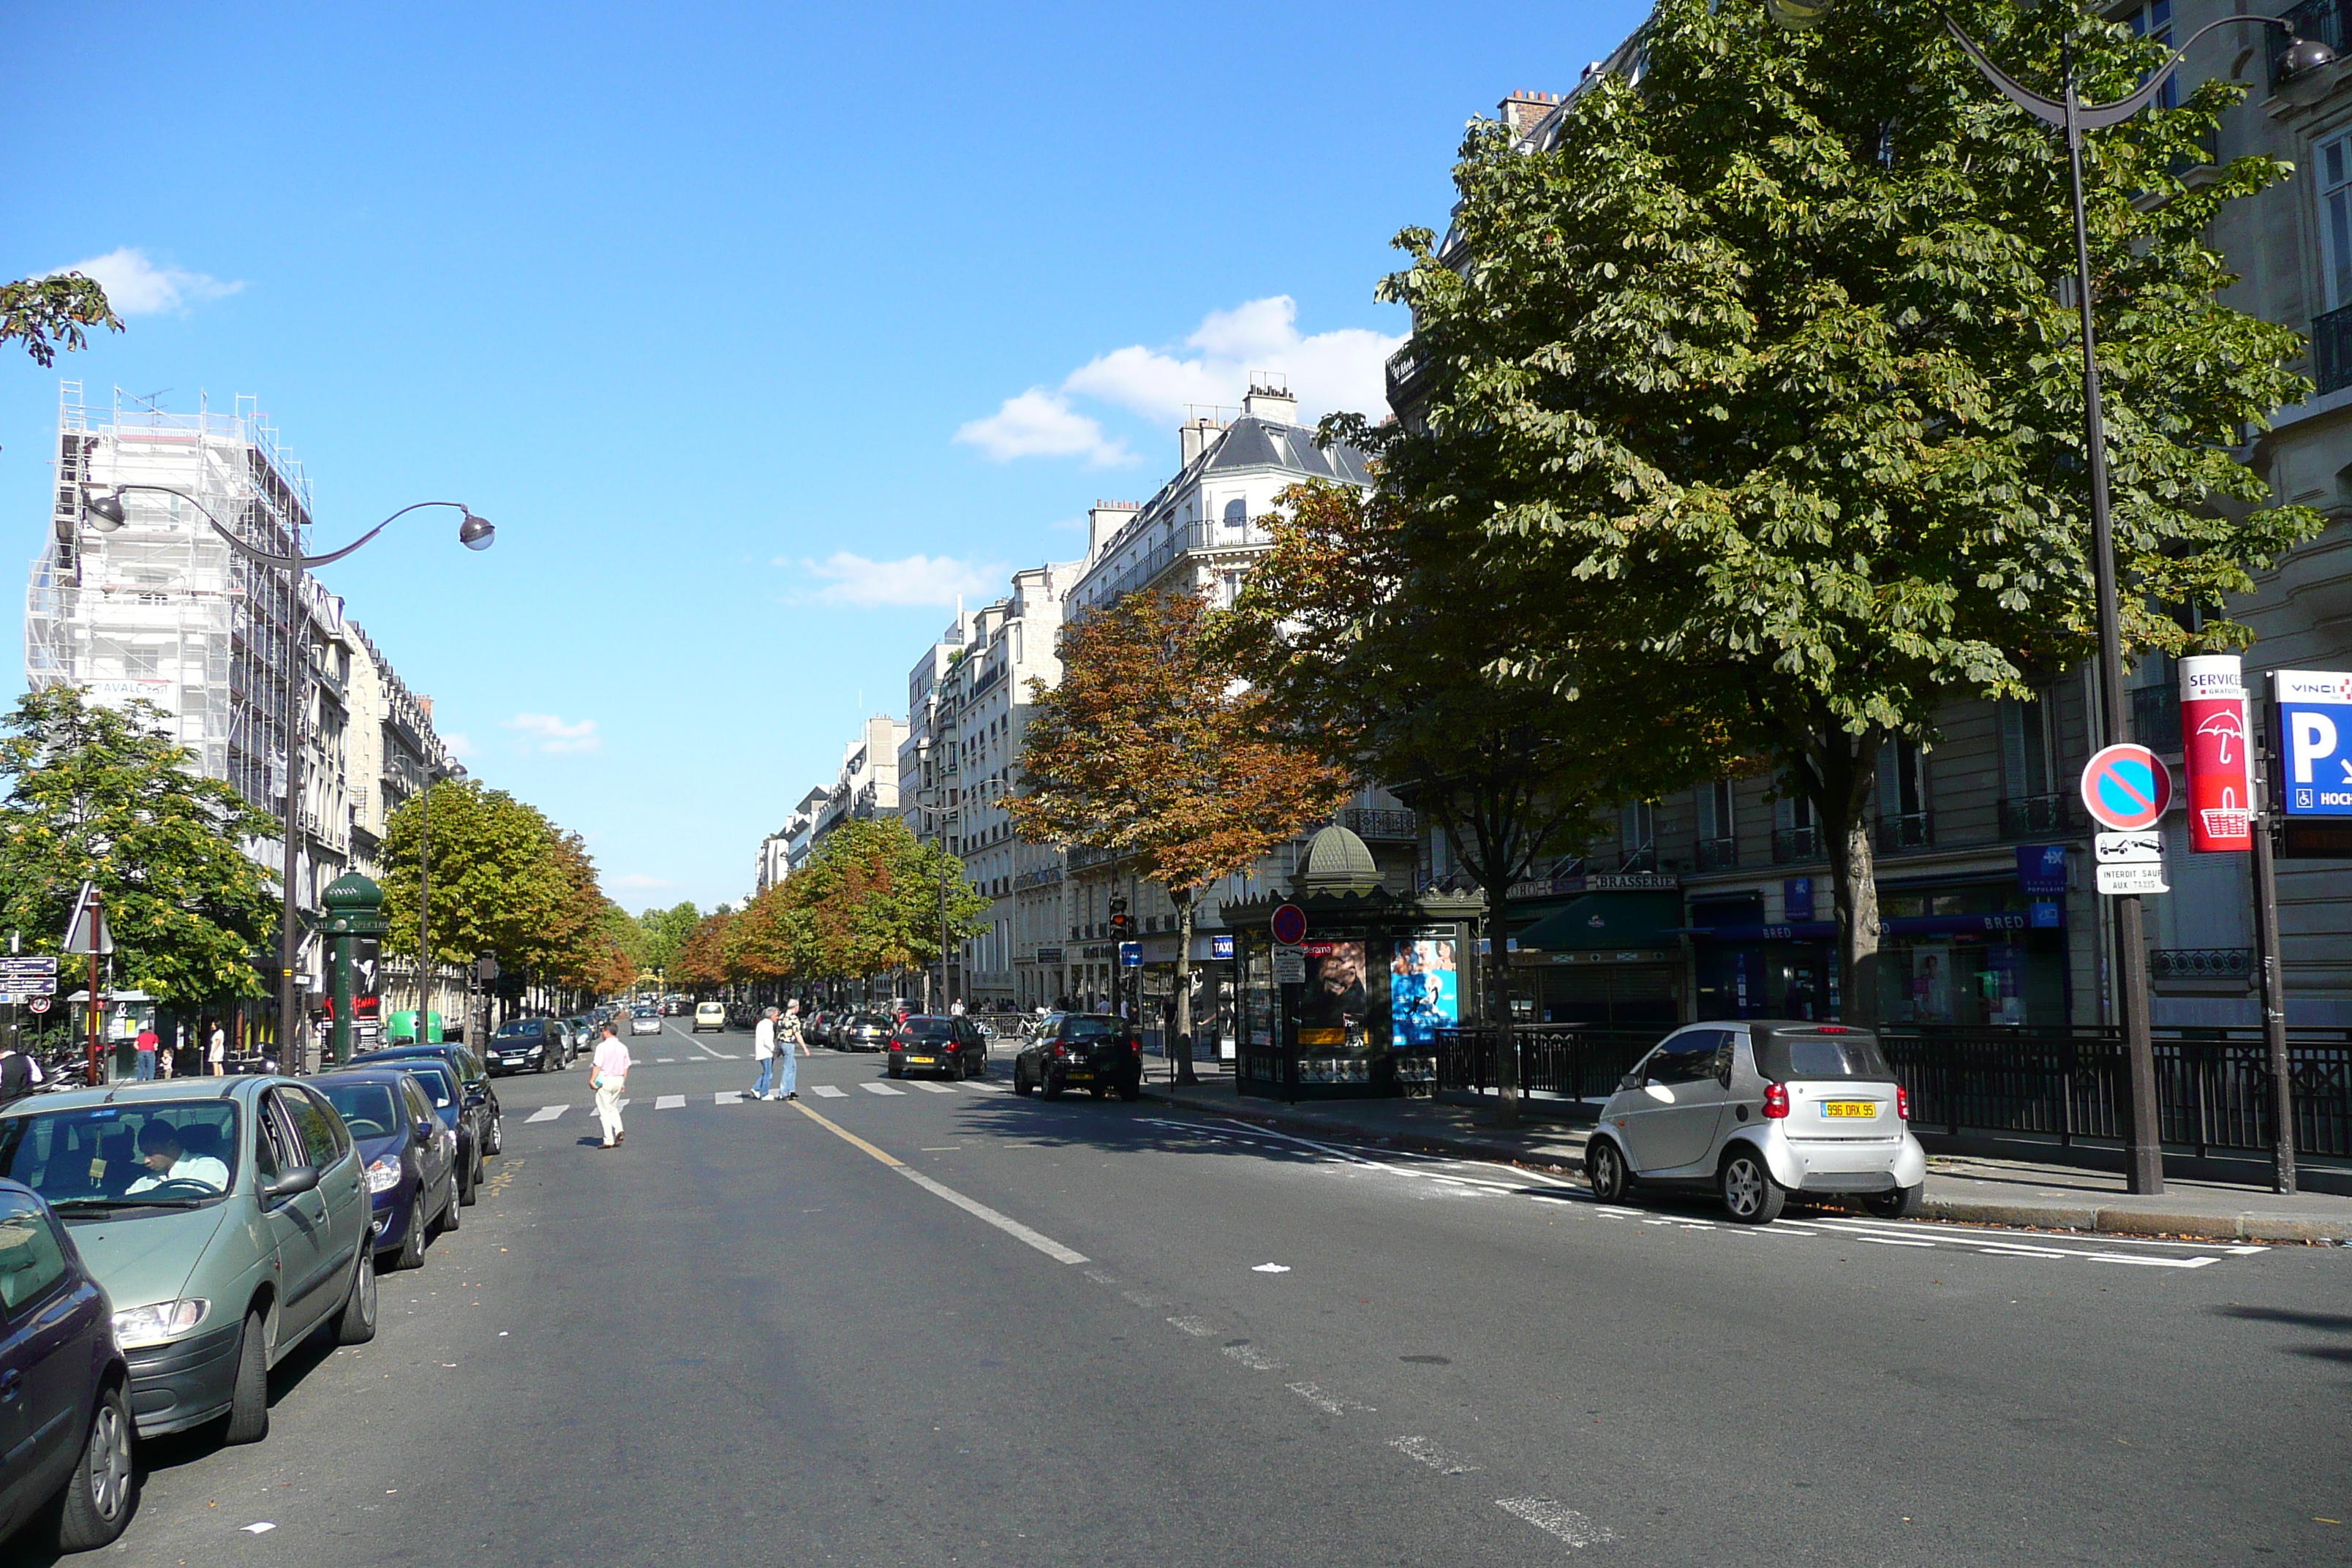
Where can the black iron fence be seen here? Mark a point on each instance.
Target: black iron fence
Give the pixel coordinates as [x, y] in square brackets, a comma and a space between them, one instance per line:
[2067, 1084]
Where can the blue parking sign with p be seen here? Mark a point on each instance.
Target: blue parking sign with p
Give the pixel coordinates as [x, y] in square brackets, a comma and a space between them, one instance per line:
[2313, 741]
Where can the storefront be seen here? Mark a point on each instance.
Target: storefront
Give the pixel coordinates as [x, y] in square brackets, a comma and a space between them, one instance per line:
[1606, 958]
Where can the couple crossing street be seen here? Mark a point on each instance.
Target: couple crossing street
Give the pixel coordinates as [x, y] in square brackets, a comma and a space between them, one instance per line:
[773, 1043]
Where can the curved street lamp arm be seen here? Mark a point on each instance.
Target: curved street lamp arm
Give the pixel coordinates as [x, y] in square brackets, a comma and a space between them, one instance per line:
[271, 558]
[2088, 116]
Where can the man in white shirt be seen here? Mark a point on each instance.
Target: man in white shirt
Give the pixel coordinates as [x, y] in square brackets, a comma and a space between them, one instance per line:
[160, 1151]
[764, 1051]
[608, 1074]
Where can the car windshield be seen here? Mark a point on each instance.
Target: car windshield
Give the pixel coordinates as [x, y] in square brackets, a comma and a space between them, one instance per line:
[520, 1026]
[366, 1107]
[1845, 1054]
[99, 1156]
[646, 1013]
[1090, 1028]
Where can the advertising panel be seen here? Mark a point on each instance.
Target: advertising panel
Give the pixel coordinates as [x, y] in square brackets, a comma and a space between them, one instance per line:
[2214, 750]
[2314, 742]
[1424, 994]
[1336, 1004]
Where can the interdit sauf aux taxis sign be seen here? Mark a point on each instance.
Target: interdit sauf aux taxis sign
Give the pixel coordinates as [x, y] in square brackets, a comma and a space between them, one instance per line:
[2216, 752]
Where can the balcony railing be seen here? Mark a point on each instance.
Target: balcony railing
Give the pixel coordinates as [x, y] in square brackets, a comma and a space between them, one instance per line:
[1718, 854]
[2331, 350]
[1378, 822]
[1912, 830]
[2201, 962]
[2156, 717]
[2025, 816]
[1406, 376]
[1790, 845]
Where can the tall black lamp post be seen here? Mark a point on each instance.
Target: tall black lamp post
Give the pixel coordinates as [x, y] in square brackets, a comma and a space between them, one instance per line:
[103, 503]
[2299, 68]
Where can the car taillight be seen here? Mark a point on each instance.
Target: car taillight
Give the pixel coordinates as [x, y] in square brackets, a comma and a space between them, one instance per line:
[1060, 1051]
[1901, 1102]
[1776, 1100]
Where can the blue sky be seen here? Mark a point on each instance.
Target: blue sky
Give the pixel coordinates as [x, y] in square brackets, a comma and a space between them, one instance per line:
[758, 331]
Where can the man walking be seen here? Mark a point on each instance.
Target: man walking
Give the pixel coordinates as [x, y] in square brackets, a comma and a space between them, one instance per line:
[764, 1051]
[608, 1074]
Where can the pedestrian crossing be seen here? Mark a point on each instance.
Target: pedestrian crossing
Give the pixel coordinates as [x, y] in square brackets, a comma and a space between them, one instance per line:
[820, 1090]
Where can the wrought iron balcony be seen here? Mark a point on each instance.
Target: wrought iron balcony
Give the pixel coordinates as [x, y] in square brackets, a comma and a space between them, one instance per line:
[1912, 830]
[1375, 822]
[1790, 845]
[1718, 854]
[2201, 962]
[2331, 350]
[2024, 817]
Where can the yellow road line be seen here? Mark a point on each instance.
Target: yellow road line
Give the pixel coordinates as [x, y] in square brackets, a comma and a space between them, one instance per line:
[844, 1134]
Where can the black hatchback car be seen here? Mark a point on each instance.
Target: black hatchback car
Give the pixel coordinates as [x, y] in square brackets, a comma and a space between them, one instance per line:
[528, 1045]
[952, 1047]
[66, 1468]
[1094, 1051]
[860, 1032]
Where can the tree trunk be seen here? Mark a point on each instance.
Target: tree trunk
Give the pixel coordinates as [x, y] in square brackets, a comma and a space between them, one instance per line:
[1179, 1049]
[1836, 773]
[1499, 991]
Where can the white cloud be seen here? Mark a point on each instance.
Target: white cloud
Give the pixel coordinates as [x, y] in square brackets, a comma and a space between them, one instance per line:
[1041, 424]
[547, 733]
[919, 579]
[459, 746]
[136, 286]
[638, 883]
[1342, 369]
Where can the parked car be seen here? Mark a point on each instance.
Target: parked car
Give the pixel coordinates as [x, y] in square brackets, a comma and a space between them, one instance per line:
[467, 1122]
[862, 1032]
[476, 1090]
[526, 1044]
[709, 1016]
[952, 1047]
[409, 1154]
[227, 1219]
[1094, 1051]
[1759, 1110]
[68, 1467]
[817, 1027]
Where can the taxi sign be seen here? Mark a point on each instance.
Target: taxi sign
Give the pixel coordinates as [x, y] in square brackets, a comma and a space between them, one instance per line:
[2126, 788]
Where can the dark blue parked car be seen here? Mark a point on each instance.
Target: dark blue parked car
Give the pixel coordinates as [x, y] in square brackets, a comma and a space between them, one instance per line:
[65, 1474]
[408, 1154]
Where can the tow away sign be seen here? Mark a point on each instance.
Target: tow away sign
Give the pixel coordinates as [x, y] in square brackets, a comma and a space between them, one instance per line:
[2131, 862]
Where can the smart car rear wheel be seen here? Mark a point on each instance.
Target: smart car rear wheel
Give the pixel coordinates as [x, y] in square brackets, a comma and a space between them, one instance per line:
[1750, 1194]
[1604, 1167]
[1902, 1203]
[248, 1402]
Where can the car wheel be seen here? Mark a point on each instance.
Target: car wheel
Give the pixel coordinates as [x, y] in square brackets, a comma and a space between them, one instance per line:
[1100, 1091]
[1902, 1203]
[469, 1189]
[412, 1246]
[890, 1071]
[449, 1210]
[356, 1326]
[1132, 1090]
[249, 1401]
[1020, 1084]
[495, 1138]
[104, 1488]
[1604, 1167]
[1749, 1192]
[1052, 1087]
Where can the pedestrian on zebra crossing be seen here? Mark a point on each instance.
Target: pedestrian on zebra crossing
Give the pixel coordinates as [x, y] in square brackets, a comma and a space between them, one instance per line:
[608, 1075]
[791, 1042]
[764, 1051]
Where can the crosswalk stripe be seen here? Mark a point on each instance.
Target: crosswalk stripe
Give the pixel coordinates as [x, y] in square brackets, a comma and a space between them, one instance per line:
[827, 1091]
[670, 1102]
[982, 1087]
[664, 1059]
[929, 1086]
[730, 1056]
[547, 1113]
[728, 1097]
[881, 1088]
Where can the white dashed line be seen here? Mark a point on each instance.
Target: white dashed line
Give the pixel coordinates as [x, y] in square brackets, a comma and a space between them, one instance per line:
[826, 1092]
[1565, 1524]
[546, 1113]
[670, 1102]
[881, 1088]
[728, 1097]
[1328, 1402]
[1193, 1326]
[1250, 1356]
[1428, 1453]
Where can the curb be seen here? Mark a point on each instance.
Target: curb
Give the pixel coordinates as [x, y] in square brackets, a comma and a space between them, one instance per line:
[2242, 1226]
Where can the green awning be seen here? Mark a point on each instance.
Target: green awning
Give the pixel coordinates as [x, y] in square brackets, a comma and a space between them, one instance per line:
[1606, 919]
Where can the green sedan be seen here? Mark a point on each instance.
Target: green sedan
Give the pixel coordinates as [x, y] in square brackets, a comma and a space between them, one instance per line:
[227, 1218]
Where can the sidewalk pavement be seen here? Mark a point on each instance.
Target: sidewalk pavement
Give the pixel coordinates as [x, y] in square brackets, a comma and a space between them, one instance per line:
[1966, 1189]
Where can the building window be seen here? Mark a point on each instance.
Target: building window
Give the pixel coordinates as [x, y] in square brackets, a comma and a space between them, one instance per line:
[1904, 820]
[1718, 841]
[1637, 837]
[2153, 22]
[1795, 834]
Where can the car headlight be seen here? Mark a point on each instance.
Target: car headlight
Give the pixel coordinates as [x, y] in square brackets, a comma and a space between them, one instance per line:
[136, 1327]
[382, 1175]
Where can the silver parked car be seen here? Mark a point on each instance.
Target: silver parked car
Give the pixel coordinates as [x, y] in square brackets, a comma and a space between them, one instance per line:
[1757, 1111]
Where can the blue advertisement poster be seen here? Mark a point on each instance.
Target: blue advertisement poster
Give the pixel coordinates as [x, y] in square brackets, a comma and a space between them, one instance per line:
[1423, 994]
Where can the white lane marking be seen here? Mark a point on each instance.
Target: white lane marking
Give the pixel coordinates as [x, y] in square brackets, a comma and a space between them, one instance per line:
[930, 1087]
[1326, 1401]
[669, 1102]
[1195, 1327]
[826, 1092]
[1977, 1233]
[1011, 1227]
[2150, 1262]
[263, 1528]
[546, 1113]
[881, 1088]
[1250, 1356]
[1100, 1278]
[1891, 1241]
[1564, 1524]
[660, 1059]
[1430, 1453]
[727, 1056]
[2042, 1253]
[1139, 1299]
[1269, 1268]
[728, 1097]
[1336, 1154]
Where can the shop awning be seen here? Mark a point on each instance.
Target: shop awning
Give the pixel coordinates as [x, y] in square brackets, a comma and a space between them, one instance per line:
[1606, 919]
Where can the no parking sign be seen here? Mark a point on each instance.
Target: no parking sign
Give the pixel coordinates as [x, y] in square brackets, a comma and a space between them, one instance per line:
[2126, 788]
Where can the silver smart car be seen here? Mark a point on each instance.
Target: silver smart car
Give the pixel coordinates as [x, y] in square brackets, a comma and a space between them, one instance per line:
[1757, 1111]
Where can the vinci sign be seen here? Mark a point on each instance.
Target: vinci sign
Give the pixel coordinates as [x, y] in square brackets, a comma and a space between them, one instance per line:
[2315, 740]
[2213, 733]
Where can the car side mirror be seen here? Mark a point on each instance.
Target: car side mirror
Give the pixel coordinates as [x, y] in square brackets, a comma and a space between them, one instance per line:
[425, 1128]
[293, 1183]
[477, 1096]
[1632, 1081]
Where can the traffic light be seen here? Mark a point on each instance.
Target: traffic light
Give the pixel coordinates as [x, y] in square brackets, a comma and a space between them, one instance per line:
[1121, 922]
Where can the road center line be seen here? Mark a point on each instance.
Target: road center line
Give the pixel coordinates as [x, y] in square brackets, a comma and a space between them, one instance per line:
[1009, 1226]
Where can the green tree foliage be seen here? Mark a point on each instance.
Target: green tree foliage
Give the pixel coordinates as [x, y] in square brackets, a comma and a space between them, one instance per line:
[1766, 367]
[663, 933]
[867, 901]
[105, 794]
[44, 313]
[701, 960]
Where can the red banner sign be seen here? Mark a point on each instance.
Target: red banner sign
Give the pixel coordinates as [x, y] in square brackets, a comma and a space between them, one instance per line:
[2215, 741]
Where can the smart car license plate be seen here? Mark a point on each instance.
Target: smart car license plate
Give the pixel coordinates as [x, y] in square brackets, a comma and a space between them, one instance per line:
[1862, 1109]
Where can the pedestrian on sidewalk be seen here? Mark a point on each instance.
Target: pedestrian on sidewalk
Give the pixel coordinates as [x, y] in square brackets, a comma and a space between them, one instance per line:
[789, 1044]
[608, 1074]
[149, 1042]
[764, 1051]
[217, 1054]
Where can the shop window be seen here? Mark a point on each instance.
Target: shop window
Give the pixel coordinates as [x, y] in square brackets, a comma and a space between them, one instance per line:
[1904, 817]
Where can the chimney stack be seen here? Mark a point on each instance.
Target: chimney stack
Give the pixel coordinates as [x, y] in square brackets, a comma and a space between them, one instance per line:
[1523, 110]
[1104, 519]
[1195, 436]
[1272, 404]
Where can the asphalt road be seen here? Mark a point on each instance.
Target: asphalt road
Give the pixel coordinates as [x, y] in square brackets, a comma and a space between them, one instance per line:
[949, 1325]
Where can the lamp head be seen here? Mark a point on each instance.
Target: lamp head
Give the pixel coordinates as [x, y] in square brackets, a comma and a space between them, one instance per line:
[105, 512]
[2302, 70]
[476, 532]
[1798, 15]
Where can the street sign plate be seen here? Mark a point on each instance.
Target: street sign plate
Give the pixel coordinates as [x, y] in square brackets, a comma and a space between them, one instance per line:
[1290, 966]
[2131, 862]
[39, 1003]
[2314, 742]
[1289, 924]
[86, 932]
[2126, 788]
[1130, 956]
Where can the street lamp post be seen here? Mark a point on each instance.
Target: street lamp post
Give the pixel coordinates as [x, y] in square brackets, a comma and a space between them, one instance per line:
[2299, 65]
[107, 514]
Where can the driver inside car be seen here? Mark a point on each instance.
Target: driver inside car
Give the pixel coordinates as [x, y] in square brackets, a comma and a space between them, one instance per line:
[166, 1161]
